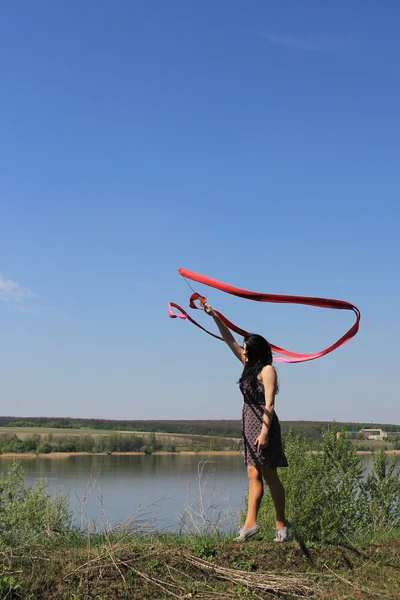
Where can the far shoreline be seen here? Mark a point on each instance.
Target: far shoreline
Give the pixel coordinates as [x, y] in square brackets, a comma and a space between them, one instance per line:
[184, 452]
[69, 454]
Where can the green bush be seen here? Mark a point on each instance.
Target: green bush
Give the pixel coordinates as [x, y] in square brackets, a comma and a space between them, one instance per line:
[116, 442]
[382, 494]
[169, 447]
[8, 442]
[216, 444]
[100, 444]
[328, 498]
[365, 448]
[45, 448]
[154, 443]
[26, 512]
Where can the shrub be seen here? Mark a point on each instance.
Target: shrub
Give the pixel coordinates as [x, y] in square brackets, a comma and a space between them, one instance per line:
[100, 444]
[216, 444]
[45, 448]
[169, 447]
[328, 498]
[28, 511]
[154, 443]
[382, 494]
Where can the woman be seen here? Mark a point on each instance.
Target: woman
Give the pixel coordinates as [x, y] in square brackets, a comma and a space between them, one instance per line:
[261, 431]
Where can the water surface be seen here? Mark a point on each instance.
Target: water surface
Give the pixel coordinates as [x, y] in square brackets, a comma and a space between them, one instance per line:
[163, 486]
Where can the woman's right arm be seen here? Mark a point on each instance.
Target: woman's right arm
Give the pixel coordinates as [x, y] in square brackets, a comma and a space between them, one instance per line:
[226, 334]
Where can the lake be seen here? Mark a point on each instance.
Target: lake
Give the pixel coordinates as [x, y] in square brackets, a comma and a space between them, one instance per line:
[156, 490]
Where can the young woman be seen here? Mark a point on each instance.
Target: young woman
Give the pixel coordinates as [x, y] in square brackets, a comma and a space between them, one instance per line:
[261, 431]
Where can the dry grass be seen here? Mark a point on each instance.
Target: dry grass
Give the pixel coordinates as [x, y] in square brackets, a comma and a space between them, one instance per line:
[146, 568]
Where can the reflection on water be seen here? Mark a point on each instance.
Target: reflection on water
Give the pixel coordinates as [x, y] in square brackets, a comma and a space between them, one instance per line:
[127, 484]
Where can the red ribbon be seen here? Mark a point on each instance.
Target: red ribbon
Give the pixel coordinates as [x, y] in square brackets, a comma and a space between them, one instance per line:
[288, 357]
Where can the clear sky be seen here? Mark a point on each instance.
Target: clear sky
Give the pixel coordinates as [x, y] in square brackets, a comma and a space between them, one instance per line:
[256, 143]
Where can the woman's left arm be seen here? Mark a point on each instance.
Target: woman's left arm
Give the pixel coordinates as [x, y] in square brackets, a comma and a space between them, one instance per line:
[268, 375]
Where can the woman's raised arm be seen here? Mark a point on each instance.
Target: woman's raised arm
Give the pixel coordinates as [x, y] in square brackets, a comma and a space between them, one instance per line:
[226, 334]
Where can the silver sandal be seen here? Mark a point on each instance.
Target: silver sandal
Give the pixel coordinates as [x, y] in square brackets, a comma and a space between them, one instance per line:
[282, 534]
[244, 534]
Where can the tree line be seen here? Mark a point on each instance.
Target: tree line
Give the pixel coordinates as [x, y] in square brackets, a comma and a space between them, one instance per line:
[228, 428]
[81, 443]
[225, 428]
[114, 442]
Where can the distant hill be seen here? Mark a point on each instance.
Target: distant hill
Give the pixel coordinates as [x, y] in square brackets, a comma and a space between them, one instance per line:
[227, 428]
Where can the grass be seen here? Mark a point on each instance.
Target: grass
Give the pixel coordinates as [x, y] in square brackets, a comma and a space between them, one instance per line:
[75, 567]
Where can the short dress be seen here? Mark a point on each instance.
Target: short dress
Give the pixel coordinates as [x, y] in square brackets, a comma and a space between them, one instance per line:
[252, 420]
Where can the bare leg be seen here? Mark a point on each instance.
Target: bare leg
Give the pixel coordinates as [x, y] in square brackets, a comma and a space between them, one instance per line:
[277, 493]
[256, 492]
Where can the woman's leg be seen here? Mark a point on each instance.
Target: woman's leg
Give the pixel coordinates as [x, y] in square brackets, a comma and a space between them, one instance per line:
[256, 491]
[277, 493]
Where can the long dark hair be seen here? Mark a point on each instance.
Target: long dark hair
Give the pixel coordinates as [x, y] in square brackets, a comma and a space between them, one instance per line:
[259, 354]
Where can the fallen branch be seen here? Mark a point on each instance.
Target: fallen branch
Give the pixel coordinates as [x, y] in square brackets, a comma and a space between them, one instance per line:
[267, 582]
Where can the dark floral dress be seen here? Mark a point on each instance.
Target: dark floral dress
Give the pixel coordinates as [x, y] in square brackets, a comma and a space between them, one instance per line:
[252, 420]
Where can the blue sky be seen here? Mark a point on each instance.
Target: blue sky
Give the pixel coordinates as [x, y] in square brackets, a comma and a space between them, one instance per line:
[256, 143]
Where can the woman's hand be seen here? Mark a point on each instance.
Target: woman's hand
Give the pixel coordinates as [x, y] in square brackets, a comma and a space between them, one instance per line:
[207, 309]
[261, 442]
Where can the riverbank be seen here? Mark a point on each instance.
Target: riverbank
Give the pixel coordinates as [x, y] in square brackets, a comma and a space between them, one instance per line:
[184, 453]
[154, 567]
